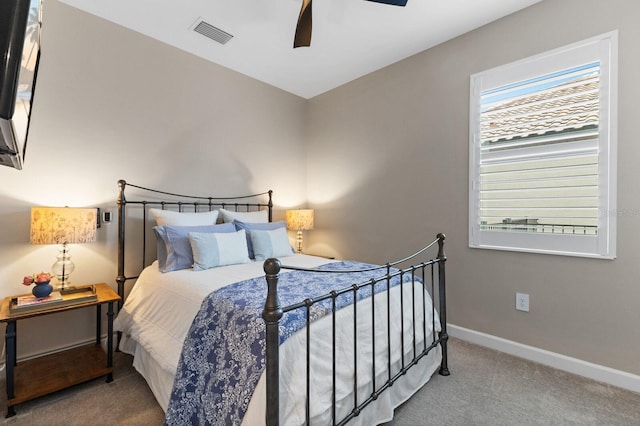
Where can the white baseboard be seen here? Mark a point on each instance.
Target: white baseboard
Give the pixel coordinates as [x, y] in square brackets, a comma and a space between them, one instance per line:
[593, 371]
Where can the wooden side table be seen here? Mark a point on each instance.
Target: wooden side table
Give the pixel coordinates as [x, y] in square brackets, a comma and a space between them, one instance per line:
[321, 255]
[40, 376]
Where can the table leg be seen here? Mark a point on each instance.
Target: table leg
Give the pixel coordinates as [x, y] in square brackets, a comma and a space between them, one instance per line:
[110, 340]
[10, 363]
[98, 323]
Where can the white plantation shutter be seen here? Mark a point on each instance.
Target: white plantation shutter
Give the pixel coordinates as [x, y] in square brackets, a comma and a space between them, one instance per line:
[542, 156]
[539, 154]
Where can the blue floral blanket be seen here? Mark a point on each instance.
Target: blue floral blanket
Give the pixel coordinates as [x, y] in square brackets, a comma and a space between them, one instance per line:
[224, 352]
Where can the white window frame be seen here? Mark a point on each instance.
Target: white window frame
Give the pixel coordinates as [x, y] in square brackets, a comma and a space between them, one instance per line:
[603, 48]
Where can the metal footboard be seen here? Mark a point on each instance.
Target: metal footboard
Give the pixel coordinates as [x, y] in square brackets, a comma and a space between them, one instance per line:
[427, 272]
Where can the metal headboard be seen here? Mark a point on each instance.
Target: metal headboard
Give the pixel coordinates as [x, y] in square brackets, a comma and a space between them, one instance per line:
[153, 198]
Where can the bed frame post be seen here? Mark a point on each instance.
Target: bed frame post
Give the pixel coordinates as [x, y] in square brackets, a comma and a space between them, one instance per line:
[444, 367]
[272, 314]
[120, 279]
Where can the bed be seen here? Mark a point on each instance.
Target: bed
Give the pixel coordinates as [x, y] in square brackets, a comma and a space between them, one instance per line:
[283, 339]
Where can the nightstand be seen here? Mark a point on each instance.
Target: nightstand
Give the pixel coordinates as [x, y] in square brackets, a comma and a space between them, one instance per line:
[321, 255]
[43, 375]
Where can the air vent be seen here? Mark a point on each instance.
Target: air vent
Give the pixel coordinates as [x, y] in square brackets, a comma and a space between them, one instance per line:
[209, 31]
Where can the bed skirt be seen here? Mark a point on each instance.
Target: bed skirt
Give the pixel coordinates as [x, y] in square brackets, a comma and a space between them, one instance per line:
[160, 383]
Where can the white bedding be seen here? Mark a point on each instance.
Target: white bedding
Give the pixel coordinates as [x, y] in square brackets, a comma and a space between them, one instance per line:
[156, 317]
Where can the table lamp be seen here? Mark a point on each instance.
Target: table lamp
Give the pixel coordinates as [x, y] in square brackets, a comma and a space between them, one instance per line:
[299, 220]
[63, 225]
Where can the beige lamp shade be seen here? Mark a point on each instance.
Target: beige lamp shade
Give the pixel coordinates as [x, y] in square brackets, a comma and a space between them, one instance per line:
[60, 225]
[63, 225]
[300, 219]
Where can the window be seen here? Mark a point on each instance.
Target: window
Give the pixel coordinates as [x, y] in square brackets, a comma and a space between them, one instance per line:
[542, 153]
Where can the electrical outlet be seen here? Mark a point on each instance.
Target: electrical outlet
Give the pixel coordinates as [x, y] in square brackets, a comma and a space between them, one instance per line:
[522, 302]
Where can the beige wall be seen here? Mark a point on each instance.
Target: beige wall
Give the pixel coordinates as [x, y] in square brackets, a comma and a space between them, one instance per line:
[111, 104]
[388, 168]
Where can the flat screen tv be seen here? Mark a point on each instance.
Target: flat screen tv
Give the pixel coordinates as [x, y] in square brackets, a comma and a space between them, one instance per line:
[20, 54]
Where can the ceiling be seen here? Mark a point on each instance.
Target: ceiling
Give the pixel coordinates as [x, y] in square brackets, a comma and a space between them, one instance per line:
[350, 38]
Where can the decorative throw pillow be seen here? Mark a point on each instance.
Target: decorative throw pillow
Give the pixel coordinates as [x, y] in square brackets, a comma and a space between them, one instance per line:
[212, 250]
[173, 246]
[248, 226]
[168, 217]
[259, 216]
[268, 244]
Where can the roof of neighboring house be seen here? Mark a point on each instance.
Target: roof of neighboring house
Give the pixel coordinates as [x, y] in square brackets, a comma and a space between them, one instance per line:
[567, 106]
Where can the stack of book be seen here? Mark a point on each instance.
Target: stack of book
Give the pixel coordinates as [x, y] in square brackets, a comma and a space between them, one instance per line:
[28, 303]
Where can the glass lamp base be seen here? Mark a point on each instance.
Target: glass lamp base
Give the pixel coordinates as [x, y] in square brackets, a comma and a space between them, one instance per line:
[63, 267]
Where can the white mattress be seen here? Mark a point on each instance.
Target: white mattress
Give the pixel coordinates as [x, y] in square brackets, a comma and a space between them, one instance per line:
[156, 317]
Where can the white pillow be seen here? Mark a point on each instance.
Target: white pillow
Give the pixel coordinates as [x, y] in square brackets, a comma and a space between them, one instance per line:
[168, 217]
[259, 216]
[274, 243]
[212, 250]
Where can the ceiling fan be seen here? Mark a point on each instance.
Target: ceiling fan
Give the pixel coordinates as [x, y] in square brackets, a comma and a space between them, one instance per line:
[303, 29]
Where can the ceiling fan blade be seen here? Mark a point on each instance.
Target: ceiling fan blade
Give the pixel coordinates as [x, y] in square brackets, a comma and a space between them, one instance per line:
[303, 29]
[392, 2]
[302, 36]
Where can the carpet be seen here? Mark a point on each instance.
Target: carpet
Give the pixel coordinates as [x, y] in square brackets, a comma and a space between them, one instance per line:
[485, 387]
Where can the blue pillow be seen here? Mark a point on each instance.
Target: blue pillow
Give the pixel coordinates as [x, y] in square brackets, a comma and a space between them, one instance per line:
[269, 226]
[213, 250]
[268, 244]
[173, 248]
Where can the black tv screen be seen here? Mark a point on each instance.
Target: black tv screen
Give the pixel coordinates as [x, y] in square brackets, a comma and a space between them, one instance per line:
[20, 49]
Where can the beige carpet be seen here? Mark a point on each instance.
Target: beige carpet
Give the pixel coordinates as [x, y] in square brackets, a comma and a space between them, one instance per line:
[485, 388]
[127, 400]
